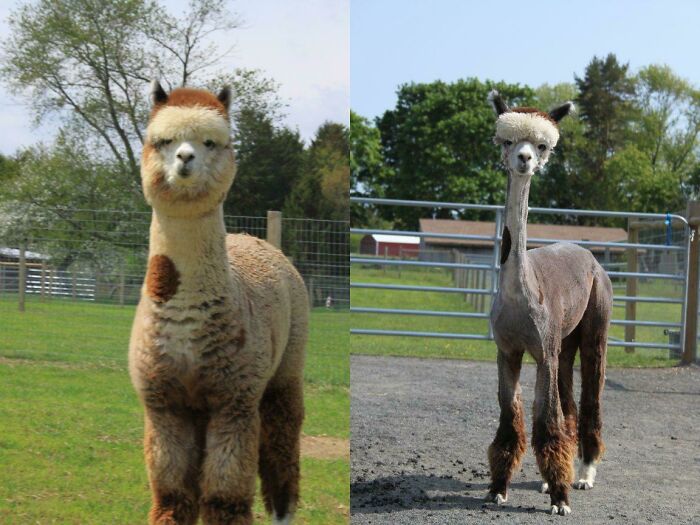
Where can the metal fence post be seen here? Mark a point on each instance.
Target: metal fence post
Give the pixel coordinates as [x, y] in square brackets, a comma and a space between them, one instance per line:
[690, 332]
[43, 281]
[122, 283]
[22, 273]
[632, 266]
[274, 228]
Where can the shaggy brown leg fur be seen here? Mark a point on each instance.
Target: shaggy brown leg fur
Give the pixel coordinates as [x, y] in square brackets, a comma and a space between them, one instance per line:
[508, 447]
[281, 414]
[555, 451]
[230, 465]
[555, 448]
[173, 452]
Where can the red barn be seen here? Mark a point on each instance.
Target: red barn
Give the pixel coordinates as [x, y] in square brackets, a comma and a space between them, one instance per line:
[390, 245]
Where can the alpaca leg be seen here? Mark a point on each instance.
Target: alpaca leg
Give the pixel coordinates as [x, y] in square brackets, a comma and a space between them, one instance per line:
[554, 447]
[591, 445]
[172, 459]
[594, 335]
[281, 415]
[230, 465]
[507, 449]
[569, 346]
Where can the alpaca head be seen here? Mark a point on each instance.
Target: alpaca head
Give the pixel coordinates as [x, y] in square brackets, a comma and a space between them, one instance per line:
[187, 165]
[527, 136]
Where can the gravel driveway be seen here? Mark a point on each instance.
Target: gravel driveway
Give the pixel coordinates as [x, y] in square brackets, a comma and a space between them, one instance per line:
[420, 429]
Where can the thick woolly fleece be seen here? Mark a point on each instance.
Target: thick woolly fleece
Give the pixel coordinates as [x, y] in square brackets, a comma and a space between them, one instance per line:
[515, 126]
[217, 345]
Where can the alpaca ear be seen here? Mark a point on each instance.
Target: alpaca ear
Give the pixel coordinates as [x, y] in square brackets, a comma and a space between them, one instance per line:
[560, 112]
[499, 105]
[158, 94]
[224, 96]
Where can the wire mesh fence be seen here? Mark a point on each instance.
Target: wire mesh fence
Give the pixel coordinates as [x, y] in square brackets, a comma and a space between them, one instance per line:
[83, 270]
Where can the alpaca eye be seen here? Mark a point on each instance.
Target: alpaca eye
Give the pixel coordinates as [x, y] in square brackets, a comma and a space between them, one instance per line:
[209, 144]
[542, 147]
[507, 143]
[162, 142]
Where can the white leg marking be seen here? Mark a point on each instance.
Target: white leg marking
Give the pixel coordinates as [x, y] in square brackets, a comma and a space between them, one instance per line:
[498, 499]
[586, 477]
[544, 489]
[561, 509]
[286, 520]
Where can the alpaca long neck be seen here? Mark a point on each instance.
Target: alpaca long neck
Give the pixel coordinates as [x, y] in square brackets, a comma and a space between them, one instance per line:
[196, 247]
[514, 264]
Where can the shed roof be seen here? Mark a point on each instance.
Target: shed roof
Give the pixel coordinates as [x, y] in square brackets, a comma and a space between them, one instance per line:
[13, 253]
[561, 232]
[396, 239]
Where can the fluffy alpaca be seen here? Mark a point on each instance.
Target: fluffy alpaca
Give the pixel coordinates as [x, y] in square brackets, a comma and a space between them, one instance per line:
[551, 302]
[217, 345]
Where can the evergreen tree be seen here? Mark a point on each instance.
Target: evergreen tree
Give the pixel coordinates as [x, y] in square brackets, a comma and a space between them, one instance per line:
[270, 162]
[606, 107]
[323, 189]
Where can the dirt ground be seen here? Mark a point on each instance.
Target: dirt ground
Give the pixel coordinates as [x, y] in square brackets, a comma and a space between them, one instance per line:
[420, 429]
[324, 447]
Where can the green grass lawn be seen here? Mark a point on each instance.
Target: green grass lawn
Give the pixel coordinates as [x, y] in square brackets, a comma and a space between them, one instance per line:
[478, 350]
[71, 434]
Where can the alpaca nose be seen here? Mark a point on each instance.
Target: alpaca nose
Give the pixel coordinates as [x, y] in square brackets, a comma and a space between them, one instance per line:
[185, 156]
[522, 157]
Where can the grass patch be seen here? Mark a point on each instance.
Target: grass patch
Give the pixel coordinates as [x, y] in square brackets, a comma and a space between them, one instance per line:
[479, 350]
[71, 443]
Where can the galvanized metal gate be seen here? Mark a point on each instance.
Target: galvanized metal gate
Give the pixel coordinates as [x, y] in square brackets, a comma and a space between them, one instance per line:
[675, 244]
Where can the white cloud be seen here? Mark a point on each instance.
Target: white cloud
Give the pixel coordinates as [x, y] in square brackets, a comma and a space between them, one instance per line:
[303, 45]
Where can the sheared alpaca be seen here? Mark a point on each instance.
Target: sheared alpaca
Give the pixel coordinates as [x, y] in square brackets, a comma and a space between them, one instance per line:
[217, 345]
[551, 302]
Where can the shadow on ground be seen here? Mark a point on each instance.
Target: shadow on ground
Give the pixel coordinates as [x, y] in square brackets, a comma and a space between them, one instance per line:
[417, 491]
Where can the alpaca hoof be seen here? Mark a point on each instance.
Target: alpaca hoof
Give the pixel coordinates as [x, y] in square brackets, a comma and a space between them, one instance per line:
[495, 497]
[562, 509]
[286, 520]
[544, 489]
[586, 477]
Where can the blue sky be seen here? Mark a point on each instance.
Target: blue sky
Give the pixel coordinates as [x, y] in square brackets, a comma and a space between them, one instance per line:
[394, 42]
[302, 44]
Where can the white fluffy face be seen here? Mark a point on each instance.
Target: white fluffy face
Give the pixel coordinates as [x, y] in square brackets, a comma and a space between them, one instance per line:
[187, 163]
[187, 157]
[527, 140]
[522, 158]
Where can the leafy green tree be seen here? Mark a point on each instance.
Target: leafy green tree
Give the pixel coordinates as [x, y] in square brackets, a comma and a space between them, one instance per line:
[9, 170]
[641, 187]
[323, 189]
[252, 93]
[365, 155]
[88, 65]
[668, 124]
[563, 180]
[366, 167]
[437, 145]
[54, 200]
[270, 162]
